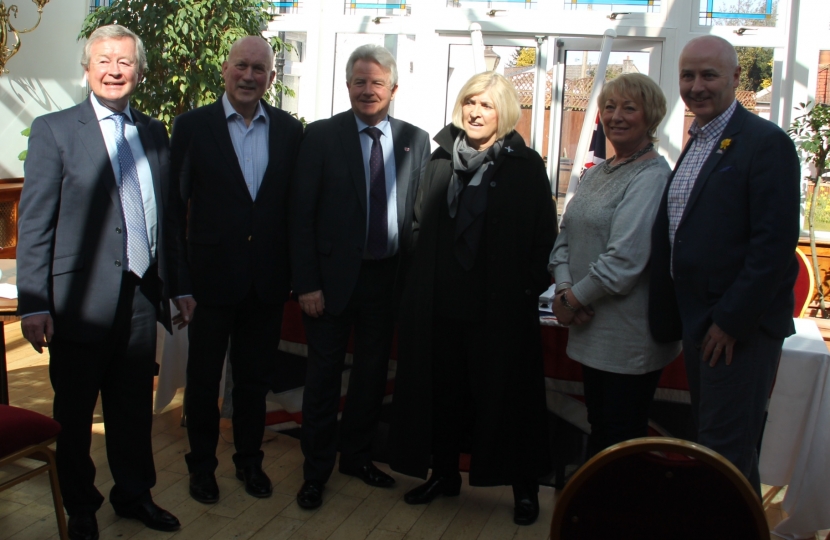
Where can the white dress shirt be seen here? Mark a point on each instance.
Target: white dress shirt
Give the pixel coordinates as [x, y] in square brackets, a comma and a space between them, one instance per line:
[145, 177]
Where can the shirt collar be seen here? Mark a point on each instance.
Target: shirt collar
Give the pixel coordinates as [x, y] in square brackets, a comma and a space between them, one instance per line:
[230, 111]
[102, 112]
[714, 128]
[383, 125]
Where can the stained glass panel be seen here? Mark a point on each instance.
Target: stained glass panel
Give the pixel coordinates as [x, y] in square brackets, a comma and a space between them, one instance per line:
[377, 7]
[632, 6]
[496, 4]
[282, 7]
[738, 12]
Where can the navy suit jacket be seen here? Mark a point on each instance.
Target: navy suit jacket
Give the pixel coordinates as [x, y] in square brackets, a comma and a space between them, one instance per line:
[70, 241]
[734, 261]
[328, 204]
[233, 242]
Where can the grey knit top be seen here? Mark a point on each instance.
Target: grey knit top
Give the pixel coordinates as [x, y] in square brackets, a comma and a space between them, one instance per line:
[603, 248]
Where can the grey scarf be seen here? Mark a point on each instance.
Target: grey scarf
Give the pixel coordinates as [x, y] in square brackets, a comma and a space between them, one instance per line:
[467, 203]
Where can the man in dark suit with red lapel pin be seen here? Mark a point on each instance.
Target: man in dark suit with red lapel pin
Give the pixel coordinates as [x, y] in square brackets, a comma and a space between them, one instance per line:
[722, 259]
[95, 265]
[351, 218]
[232, 162]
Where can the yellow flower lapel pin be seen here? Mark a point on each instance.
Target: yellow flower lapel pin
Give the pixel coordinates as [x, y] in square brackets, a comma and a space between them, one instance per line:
[724, 144]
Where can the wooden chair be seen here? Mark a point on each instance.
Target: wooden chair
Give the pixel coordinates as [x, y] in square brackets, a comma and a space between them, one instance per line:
[27, 434]
[805, 284]
[658, 488]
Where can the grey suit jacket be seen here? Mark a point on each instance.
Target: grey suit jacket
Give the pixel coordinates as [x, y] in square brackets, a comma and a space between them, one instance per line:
[328, 204]
[70, 241]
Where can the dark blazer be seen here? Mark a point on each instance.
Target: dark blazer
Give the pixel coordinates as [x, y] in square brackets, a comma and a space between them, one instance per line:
[233, 241]
[328, 204]
[519, 233]
[70, 243]
[733, 251]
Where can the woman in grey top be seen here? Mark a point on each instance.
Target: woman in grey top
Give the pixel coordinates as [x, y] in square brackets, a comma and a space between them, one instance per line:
[600, 265]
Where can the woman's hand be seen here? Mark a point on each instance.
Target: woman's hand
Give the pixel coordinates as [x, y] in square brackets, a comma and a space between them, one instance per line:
[567, 316]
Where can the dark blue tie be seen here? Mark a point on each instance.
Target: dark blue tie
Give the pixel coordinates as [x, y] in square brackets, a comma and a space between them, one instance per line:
[136, 245]
[378, 224]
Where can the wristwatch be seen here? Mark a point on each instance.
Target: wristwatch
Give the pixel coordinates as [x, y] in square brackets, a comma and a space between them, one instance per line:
[564, 299]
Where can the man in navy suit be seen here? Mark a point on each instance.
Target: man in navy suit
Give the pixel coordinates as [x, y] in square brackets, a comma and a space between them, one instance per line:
[232, 161]
[351, 218]
[723, 264]
[95, 264]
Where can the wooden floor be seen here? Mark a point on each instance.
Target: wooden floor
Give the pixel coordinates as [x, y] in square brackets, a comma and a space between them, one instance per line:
[351, 509]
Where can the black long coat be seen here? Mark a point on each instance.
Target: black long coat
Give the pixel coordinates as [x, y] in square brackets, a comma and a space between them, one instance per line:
[510, 434]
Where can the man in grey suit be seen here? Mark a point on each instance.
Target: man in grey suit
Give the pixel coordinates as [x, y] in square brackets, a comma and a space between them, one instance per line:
[350, 229]
[94, 267]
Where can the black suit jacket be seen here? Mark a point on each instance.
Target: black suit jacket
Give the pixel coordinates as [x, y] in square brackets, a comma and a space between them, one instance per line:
[70, 245]
[328, 204]
[233, 242]
[734, 261]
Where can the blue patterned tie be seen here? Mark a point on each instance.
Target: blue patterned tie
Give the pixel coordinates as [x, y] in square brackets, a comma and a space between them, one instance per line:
[378, 224]
[136, 244]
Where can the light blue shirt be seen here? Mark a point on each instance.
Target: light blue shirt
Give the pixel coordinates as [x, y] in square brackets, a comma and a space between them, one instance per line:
[250, 142]
[391, 187]
[145, 177]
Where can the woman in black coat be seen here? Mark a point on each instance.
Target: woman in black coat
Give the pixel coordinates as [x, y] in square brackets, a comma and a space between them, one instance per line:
[470, 367]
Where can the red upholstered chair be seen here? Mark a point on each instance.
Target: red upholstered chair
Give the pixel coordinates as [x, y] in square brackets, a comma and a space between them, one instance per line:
[27, 434]
[639, 489]
[805, 284]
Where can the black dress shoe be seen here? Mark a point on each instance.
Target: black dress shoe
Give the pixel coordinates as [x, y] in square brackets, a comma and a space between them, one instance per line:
[370, 474]
[83, 526]
[526, 504]
[310, 495]
[203, 487]
[257, 483]
[438, 484]
[151, 515]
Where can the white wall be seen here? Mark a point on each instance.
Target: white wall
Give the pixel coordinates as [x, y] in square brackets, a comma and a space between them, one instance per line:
[44, 76]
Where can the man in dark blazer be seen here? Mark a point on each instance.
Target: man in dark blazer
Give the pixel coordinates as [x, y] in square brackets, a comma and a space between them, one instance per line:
[723, 263]
[232, 162]
[351, 216]
[94, 269]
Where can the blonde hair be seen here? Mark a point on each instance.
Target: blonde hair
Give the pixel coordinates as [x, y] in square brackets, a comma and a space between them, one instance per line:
[641, 89]
[504, 96]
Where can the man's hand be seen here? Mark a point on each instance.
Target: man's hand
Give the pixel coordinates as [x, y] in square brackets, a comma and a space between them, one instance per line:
[312, 303]
[185, 305]
[714, 343]
[38, 330]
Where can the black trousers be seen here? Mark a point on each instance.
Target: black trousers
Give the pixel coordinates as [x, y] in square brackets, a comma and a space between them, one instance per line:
[729, 402]
[253, 330]
[369, 312]
[121, 368]
[618, 405]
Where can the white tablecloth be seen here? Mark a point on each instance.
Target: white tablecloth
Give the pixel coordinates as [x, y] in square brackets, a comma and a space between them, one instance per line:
[796, 448]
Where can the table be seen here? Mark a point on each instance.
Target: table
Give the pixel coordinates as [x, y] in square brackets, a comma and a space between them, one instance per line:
[795, 451]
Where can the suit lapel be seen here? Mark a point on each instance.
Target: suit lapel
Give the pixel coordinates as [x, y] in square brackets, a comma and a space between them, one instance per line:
[403, 163]
[219, 127]
[274, 144]
[350, 139]
[90, 135]
[151, 151]
[732, 128]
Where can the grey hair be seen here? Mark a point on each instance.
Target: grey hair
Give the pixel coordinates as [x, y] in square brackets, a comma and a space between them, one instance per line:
[115, 31]
[374, 53]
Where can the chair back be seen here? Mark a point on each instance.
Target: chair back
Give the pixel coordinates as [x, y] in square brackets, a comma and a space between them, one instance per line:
[636, 489]
[805, 284]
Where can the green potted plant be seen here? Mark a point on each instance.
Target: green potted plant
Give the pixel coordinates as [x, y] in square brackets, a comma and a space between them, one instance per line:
[22, 155]
[811, 133]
